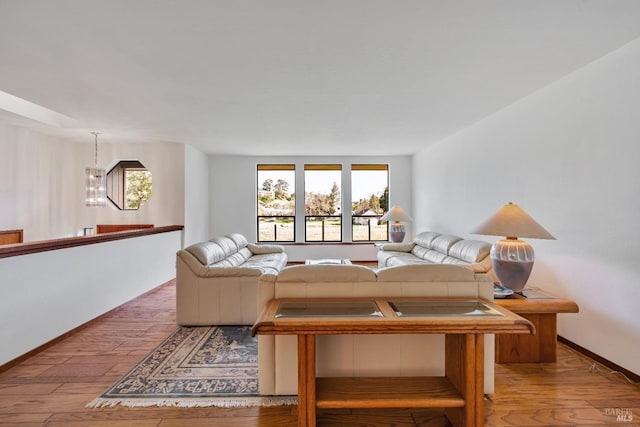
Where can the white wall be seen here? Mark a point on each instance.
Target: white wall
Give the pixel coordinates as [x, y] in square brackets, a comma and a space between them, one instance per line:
[196, 196]
[568, 154]
[233, 184]
[37, 177]
[46, 294]
[42, 183]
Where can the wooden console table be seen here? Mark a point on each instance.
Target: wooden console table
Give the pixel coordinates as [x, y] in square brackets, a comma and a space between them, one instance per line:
[463, 321]
[541, 309]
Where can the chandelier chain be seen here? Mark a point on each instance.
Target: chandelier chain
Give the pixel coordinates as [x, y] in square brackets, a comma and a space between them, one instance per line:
[96, 147]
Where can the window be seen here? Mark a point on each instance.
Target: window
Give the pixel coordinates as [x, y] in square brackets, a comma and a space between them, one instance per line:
[370, 200]
[323, 216]
[129, 185]
[276, 201]
[322, 203]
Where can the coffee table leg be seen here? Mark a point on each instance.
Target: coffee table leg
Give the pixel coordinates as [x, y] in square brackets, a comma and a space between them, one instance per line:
[306, 380]
[464, 367]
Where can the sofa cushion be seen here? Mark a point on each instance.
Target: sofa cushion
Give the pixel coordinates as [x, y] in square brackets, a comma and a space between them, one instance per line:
[225, 263]
[396, 258]
[470, 250]
[228, 246]
[326, 273]
[425, 238]
[443, 242]
[206, 252]
[434, 256]
[268, 263]
[419, 251]
[237, 259]
[245, 253]
[409, 260]
[483, 266]
[425, 273]
[238, 239]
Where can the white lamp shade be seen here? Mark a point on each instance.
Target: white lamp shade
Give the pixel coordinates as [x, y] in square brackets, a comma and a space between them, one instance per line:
[396, 213]
[511, 221]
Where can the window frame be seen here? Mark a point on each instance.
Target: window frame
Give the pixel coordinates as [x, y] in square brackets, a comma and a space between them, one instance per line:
[265, 218]
[308, 218]
[368, 167]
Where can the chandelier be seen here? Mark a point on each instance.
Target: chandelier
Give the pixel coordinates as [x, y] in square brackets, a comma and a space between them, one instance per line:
[96, 179]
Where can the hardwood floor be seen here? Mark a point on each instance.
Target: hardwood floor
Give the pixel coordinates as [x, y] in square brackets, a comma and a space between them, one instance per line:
[52, 387]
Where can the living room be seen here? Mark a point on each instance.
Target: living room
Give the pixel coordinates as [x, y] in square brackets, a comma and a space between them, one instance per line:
[562, 143]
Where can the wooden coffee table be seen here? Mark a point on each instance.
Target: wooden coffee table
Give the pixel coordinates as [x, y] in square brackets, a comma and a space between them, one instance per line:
[463, 322]
[541, 309]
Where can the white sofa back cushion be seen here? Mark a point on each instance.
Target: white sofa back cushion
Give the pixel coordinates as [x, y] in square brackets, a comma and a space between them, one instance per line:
[425, 238]
[206, 252]
[426, 273]
[326, 273]
[470, 250]
[443, 242]
[227, 245]
[238, 239]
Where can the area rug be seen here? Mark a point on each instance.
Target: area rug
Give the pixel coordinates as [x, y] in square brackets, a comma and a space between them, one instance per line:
[195, 367]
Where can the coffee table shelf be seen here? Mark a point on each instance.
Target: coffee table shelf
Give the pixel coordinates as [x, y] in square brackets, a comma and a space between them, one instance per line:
[388, 392]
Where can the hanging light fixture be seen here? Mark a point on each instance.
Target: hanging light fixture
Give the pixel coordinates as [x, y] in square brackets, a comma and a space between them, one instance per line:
[96, 179]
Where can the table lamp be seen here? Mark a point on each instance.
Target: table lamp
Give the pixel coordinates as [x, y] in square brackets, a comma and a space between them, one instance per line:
[396, 214]
[512, 258]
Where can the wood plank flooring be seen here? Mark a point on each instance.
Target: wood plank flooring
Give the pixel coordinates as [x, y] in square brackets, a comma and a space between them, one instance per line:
[52, 388]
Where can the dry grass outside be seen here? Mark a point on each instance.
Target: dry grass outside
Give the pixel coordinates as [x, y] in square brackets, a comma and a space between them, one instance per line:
[328, 230]
[284, 231]
[278, 231]
[361, 233]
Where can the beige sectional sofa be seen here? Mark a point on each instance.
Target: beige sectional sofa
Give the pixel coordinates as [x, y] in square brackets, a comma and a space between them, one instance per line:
[365, 355]
[432, 247]
[217, 280]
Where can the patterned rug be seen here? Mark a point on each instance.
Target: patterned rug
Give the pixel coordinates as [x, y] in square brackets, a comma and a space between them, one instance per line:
[195, 366]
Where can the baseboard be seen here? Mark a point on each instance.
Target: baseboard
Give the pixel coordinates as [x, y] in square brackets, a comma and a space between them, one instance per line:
[601, 360]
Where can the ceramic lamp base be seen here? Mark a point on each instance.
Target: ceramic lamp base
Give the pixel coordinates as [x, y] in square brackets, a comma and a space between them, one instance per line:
[396, 234]
[512, 261]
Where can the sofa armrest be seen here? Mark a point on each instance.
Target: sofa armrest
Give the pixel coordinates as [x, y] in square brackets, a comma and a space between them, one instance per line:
[264, 249]
[398, 247]
[230, 272]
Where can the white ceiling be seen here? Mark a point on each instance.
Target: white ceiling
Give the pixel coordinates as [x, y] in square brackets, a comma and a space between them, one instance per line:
[294, 77]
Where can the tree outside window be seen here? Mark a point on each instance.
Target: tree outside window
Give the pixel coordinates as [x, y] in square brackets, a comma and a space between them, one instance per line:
[137, 187]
